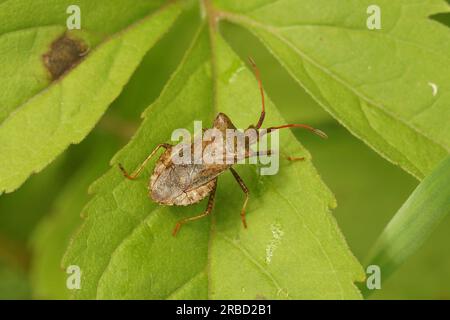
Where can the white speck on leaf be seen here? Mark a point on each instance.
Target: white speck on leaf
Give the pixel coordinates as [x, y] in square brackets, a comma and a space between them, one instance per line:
[235, 74]
[277, 235]
[434, 87]
[282, 292]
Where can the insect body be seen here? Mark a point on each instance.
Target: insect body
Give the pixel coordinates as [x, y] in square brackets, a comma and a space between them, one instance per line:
[182, 184]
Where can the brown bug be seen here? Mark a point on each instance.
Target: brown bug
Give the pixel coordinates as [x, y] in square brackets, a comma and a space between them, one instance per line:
[186, 184]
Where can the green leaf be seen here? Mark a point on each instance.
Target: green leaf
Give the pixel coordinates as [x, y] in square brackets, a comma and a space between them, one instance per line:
[292, 248]
[389, 87]
[46, 106]
[411, 226]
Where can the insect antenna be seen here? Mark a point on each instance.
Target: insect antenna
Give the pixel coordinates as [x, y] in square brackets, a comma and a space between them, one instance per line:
[318, 132]
[261, 90]
[263, 109]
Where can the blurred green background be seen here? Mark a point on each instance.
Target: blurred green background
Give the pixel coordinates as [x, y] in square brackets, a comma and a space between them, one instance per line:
[36, 221]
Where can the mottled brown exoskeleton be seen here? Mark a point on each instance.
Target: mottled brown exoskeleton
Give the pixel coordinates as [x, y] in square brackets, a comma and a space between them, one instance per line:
[186, 184]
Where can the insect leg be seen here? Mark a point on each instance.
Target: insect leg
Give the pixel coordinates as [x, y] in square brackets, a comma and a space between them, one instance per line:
[263, 110]
[204, 214]
[245, 189]
[136, 173]
[261, 153]
[270, 152]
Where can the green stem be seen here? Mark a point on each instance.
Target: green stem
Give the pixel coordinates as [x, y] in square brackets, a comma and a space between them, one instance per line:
[411, 226]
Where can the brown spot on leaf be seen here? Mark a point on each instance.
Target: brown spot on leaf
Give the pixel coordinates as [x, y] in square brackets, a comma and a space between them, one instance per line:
[64, 54]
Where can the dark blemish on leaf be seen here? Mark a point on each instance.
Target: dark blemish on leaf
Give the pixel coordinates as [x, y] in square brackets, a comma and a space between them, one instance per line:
[64, 54]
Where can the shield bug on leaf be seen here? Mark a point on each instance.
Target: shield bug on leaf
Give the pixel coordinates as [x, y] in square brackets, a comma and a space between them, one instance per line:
[182, 184]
